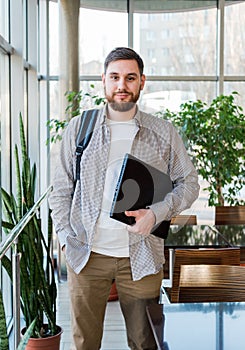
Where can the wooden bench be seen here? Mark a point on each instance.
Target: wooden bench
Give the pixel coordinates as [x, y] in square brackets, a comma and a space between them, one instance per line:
[202, 256]
[212, 283]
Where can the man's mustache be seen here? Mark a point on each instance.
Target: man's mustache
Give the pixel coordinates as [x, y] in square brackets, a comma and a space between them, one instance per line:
[122, 92]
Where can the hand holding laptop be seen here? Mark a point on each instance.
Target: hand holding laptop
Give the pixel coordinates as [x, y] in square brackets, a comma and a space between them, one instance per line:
[144, 221]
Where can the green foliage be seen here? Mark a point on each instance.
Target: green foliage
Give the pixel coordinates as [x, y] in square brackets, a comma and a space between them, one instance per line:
[27, 335]
[56, 127]
[4, 343]
[77, 101]
[38, 286]
[215, 138]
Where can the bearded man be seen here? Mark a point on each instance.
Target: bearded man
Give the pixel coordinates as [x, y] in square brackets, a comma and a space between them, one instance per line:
[98, 249]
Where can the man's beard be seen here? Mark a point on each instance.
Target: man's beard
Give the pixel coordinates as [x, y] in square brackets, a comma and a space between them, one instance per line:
[122, 106]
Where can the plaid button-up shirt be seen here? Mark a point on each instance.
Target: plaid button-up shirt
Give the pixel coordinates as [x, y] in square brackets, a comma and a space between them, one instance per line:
[156, 142]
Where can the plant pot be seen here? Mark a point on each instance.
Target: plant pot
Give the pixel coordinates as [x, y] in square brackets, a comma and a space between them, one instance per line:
[230, 215]
[48, 343]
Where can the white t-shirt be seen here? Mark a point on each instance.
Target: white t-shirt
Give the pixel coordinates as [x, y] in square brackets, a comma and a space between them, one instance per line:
[111, 236]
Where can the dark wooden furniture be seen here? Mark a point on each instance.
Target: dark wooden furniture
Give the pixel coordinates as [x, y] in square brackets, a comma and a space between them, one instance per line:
[184, 220]
[207, 256]
[230, 215]
[204, 236]
[211, 283]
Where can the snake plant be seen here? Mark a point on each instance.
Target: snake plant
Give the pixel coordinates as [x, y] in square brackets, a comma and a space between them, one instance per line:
[4, 343]
[37, 279]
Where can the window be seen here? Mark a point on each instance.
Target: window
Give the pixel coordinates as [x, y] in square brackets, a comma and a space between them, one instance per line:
[5, 158]
[234, 54]
[191, 30]
[4, 23]
[53, 38]
[163, 95]
[151, 54]
[165, 33]
[100, 32]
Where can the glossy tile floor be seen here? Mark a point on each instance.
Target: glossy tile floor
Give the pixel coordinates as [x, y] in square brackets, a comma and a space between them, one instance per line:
[114, 337]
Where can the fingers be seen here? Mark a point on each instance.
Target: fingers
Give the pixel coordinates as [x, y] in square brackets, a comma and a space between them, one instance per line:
[145, 220]
[131, 213]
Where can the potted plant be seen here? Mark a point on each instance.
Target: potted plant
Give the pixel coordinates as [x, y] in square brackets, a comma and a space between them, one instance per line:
[37, 278]
[215, 138]
[4, 341]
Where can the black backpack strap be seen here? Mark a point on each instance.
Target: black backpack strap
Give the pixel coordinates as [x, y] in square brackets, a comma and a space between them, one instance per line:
[88, 120]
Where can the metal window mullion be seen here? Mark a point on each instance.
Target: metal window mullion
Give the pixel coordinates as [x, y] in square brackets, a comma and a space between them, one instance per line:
[156, 78]
[220, 47]
[16, 293]
[130, 23]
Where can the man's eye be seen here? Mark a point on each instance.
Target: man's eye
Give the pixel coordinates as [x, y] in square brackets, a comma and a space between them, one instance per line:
[131, 78]
[114, 77]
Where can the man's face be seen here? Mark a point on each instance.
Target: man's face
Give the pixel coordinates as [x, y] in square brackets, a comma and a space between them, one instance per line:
[122, 84]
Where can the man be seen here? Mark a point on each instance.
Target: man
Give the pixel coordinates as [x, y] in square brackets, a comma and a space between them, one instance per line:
[99, 249]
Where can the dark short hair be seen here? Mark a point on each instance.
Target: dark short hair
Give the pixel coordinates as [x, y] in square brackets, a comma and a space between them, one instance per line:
[124, 53]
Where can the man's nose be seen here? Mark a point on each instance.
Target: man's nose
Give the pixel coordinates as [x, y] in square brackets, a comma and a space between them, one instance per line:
[121, 84]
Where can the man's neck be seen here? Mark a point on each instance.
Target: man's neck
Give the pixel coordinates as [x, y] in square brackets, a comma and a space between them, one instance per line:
[121, 116]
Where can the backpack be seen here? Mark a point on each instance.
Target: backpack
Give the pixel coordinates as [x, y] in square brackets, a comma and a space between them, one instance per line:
[88, 120]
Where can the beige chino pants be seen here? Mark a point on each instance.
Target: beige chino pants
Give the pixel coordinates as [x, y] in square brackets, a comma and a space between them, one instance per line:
[89, 292]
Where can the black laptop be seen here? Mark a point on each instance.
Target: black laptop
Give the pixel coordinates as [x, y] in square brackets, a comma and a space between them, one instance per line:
[140, 185]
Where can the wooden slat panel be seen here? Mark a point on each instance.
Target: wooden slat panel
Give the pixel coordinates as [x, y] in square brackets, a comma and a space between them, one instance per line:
[184, 220]
[213, 256]
[230, 215]
[211, 283]
[242, 255]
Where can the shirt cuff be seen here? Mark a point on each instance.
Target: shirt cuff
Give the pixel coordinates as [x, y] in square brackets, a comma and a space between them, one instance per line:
[161, 211]
[62, 235]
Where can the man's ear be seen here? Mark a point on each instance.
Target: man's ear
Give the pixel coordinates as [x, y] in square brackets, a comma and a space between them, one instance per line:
[103, 78]
[142, 83]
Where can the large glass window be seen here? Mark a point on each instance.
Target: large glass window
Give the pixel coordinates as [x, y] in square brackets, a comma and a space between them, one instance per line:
[5, 121]
[5, 158]
[53, 38]
[181, 44]
[4, 28]
[162, 95]
[234, 39]
[238, 86]
[100, 32]
[54, 98]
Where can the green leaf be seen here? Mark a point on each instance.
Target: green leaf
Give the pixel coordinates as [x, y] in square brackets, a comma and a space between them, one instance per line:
[4, 343]
[26, 336]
